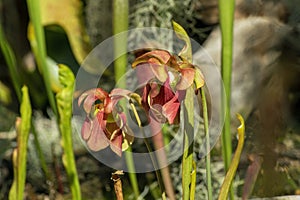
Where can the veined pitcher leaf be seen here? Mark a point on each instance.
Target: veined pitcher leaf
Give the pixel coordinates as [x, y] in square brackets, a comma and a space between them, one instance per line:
[64, 100]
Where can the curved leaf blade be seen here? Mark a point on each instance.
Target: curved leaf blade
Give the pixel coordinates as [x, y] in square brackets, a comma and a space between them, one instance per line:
[235, 161]
[186, 52]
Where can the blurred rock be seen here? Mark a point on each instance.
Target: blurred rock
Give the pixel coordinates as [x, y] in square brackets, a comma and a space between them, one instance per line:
[98, 17]
[261, 48]
[50, 143]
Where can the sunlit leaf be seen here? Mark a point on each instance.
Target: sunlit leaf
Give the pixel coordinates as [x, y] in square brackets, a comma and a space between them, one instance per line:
[68, 15]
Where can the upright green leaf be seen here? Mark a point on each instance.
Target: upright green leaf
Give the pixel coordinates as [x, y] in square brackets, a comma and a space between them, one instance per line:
[187, 159]
[207, 136]
[20, 153]
[226, 9]
[64, 105]
[36, 37]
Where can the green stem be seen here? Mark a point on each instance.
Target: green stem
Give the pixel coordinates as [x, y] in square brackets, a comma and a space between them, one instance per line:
[38, 45]
[120, 24]
[226, 9]
[206, 129]
[131, 167]
[160, 181]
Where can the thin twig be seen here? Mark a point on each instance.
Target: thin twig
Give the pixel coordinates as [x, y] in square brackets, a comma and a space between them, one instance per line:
[118, 183]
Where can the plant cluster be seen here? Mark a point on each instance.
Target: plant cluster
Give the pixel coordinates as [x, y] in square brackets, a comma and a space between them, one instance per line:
[169, 76]
[170, 83]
